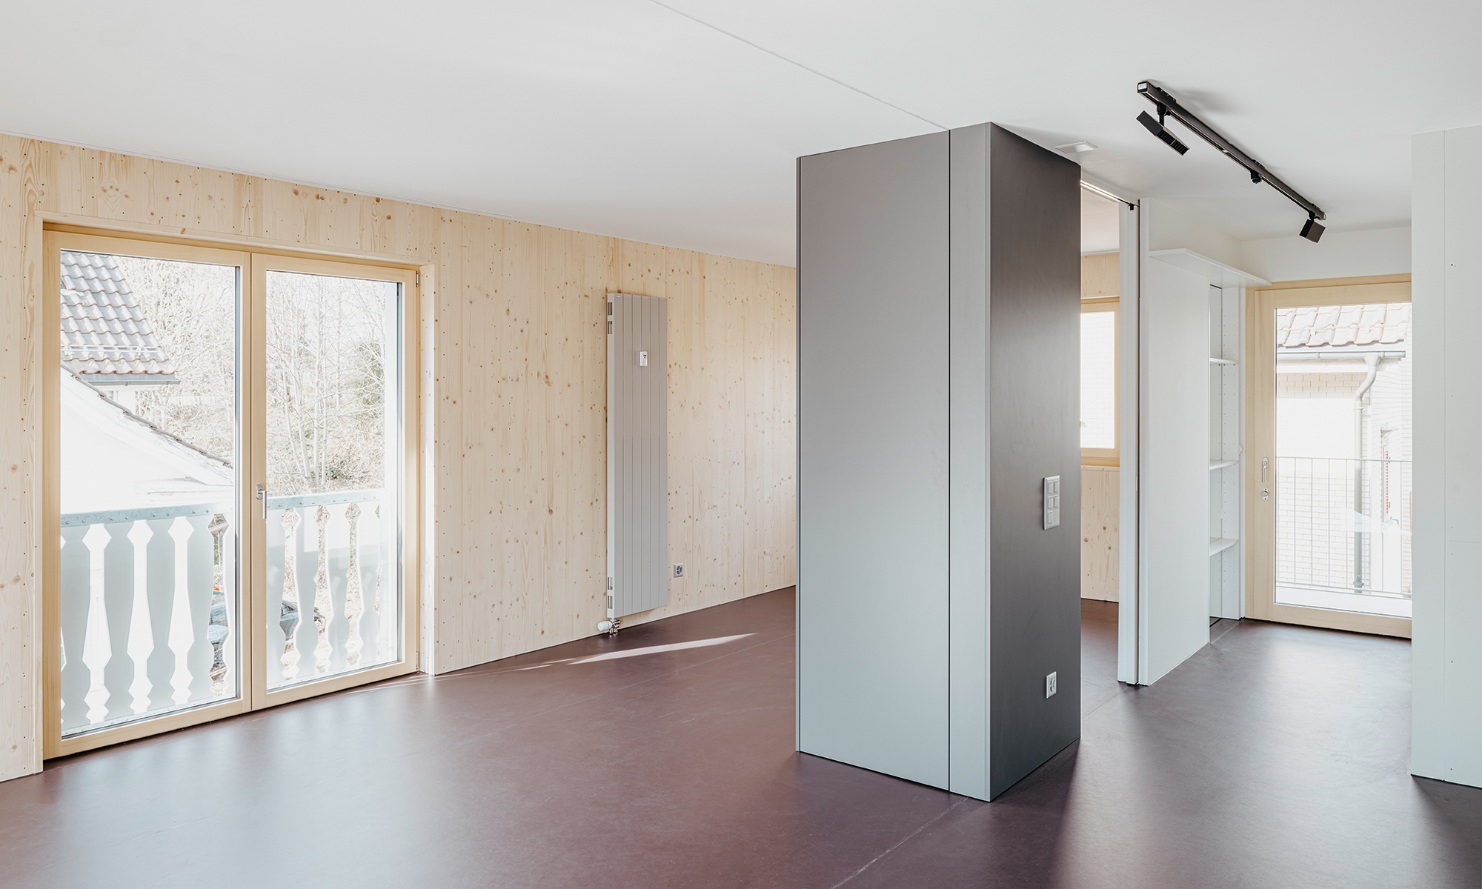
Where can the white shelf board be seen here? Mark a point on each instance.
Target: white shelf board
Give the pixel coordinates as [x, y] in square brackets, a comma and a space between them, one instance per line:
[1221, 464]
[1229, 361]
[1220, 544]
[1219, 274]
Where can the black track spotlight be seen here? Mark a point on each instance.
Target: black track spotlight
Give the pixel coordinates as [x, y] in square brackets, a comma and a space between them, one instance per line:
[1157, 129]
[1311, 230]
[1168, 106]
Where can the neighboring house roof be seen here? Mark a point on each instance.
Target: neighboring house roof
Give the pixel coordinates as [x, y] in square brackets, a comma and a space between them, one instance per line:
[1351, 327]
[106, 338]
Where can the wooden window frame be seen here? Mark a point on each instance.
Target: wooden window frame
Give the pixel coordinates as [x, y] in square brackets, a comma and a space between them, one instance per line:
[1108, 456]
[253, 262]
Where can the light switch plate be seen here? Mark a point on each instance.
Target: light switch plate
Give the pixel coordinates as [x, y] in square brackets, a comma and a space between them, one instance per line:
[1052, 501]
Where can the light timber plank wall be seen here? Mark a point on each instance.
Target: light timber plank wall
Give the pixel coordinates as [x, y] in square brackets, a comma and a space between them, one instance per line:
[1100, 503]
[513, 399]
[1100, 275]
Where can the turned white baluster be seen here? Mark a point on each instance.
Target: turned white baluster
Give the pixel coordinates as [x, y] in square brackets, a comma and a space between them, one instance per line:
[182, 633]
[323, 605]
[288, 615]
[96, 646]
[354, 594]
[216, 628]
[141, 634]
[381, 628]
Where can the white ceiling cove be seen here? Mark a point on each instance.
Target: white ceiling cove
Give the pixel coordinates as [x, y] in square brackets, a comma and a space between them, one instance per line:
[678, 122]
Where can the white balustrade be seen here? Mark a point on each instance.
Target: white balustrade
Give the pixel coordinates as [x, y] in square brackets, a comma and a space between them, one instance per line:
[149, 604]
[337, 545]
[146, 628]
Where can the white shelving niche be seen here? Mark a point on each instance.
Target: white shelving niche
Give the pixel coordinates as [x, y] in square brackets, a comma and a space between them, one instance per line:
[1227, 287]
[1226, 401]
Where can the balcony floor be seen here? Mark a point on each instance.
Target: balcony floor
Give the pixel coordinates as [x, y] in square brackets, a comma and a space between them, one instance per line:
[1276, 757]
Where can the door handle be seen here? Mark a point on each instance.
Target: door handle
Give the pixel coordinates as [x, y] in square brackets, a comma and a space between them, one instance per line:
[262, 495]
[1265, 464]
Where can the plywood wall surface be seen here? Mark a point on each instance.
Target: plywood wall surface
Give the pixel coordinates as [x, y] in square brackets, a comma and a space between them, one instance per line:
[514, 398]
[1100, 505]
[1100, 275]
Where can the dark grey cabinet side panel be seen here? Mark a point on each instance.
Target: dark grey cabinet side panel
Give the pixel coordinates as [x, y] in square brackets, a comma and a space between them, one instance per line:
[873, 451]
[1034, 432]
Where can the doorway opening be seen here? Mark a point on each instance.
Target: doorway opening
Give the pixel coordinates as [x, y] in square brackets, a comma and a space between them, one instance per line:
[1101, 464]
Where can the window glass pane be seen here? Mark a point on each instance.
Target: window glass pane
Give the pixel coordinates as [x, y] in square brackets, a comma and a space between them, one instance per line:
[1099, 380]
[1343, 470]
[333, 476]
[148, 449]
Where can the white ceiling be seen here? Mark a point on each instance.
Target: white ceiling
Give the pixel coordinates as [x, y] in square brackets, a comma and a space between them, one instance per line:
[632, 118]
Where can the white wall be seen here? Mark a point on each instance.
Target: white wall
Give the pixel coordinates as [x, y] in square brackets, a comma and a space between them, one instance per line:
[1339, 255]
[1168, 229]
[1447, 294]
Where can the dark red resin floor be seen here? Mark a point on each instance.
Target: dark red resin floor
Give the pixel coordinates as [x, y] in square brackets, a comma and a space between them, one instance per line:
[1276, 757]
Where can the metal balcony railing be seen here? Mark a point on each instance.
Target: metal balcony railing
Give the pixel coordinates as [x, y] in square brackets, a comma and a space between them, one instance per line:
[1343, 525]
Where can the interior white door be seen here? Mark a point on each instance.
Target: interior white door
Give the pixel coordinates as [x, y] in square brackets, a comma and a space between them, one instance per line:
[1173, 466]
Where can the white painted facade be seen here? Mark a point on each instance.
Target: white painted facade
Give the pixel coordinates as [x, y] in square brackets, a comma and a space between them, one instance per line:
[112, 459]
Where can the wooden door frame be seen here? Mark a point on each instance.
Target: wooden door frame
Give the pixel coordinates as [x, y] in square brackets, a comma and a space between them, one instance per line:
[1260, 432]
[252, 262]
[410, 426]
[53, 744]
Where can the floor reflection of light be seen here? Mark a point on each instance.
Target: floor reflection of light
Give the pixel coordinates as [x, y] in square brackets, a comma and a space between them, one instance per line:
[658, 649]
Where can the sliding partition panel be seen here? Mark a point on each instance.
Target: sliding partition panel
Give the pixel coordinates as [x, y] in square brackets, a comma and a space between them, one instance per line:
[1174, 467]
[872, 475]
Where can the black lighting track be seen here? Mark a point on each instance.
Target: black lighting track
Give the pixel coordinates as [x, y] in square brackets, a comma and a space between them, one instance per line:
[1168, 106]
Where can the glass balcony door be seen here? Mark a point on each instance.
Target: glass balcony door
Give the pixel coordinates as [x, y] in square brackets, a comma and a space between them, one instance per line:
[334, 447]
[145, 576]
[230, 454]
[1329, 422]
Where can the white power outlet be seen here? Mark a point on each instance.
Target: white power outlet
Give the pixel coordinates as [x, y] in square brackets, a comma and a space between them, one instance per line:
[678, 569]
[1050, 685]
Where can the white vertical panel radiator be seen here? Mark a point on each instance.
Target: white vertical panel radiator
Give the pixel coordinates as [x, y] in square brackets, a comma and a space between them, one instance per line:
[637, 456]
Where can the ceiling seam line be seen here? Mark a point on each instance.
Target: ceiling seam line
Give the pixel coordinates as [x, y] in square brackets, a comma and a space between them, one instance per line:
[814, 71]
